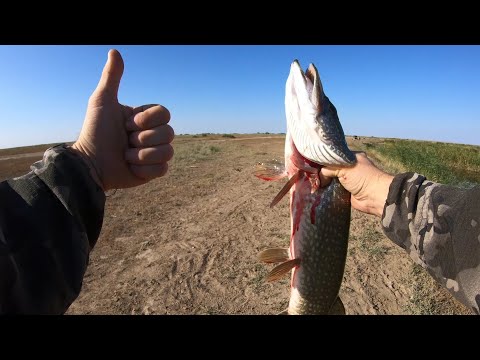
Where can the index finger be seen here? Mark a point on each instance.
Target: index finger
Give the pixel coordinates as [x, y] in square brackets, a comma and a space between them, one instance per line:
[147, 117]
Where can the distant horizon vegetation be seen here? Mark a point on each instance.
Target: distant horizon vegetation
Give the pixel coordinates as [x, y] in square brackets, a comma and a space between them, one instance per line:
[232, 135]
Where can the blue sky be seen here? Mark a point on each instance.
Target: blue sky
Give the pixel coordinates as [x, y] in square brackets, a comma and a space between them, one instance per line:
[416, 92]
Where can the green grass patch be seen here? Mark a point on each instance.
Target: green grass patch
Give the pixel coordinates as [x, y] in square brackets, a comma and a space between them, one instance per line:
[454, 164]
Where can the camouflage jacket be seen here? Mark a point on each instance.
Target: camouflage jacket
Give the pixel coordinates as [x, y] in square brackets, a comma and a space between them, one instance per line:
[50, 220]
[439, 226]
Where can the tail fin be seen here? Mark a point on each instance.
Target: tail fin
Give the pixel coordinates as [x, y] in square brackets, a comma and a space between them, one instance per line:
[337, 308]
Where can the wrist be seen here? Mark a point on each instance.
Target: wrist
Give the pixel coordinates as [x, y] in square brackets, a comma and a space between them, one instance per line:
[78, 149]
[380, 193]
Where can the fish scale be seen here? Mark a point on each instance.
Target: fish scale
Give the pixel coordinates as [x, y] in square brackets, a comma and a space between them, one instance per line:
[320, 215]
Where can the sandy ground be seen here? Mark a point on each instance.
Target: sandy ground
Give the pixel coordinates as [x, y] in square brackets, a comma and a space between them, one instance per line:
[187, 243]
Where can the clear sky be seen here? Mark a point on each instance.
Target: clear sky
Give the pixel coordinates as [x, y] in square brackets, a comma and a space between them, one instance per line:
[416, 92]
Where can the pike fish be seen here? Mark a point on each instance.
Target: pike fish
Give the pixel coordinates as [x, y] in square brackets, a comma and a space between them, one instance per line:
[320, 215]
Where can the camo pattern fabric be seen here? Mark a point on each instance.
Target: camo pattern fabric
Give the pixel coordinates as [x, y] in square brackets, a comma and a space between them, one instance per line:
[50, 219]
[439, 227]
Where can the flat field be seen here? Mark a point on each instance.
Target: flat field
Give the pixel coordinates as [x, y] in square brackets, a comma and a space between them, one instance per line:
[187, 243]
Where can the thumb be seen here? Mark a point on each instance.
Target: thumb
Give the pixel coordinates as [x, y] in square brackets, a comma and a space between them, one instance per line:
[331, 171]
[112, 74]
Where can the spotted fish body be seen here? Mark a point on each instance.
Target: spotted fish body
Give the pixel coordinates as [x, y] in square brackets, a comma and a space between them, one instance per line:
[320, 215]
[320, 222]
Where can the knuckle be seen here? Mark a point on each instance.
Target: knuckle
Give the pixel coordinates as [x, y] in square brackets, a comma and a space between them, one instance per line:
[164, 170]
[166, 112]
[141, 120]
[169, 152]
[170, 134]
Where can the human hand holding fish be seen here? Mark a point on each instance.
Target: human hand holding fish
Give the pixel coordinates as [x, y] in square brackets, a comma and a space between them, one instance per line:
[367, 184]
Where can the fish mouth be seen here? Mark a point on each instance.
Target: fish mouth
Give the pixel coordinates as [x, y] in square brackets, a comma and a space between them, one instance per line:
[312, 120]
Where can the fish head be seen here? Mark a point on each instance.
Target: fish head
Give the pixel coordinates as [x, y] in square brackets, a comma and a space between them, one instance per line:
[312, 120]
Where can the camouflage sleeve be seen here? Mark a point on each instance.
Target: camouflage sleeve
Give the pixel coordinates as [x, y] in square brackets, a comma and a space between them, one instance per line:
[439, 226]
[50, 220]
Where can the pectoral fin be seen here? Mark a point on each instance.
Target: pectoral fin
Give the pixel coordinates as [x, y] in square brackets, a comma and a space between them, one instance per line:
[286, 188]
[275, 255]
[283, 269]
[270, 170]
